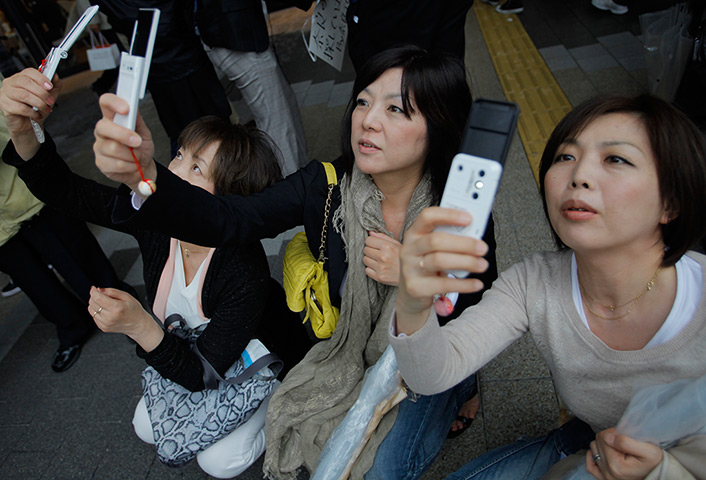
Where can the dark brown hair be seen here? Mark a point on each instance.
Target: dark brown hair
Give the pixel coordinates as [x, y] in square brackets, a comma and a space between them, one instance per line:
[437, 83]
[245, 161]
[679, 150]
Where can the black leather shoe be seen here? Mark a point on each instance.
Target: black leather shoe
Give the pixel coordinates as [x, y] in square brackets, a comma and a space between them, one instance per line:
[64, 359]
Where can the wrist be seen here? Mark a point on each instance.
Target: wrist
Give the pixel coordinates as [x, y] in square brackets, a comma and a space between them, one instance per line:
[149, 334]
[26, 145]
[409, 318]
[151, 171]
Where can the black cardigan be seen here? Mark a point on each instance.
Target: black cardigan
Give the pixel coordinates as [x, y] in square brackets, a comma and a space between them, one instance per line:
[235, 290]
[180, 209]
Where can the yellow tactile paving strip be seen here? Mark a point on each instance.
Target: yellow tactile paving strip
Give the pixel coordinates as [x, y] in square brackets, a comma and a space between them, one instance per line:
[525, 79]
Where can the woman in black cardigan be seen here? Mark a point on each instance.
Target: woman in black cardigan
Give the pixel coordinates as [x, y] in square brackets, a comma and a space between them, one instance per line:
[234, 291]
[400, 132]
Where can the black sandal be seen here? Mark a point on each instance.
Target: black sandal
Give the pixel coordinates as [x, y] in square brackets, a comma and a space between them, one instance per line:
[465, 423]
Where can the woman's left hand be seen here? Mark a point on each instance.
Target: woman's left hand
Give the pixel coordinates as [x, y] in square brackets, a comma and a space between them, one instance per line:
[621, 457]
[381, 257]
[116, 311]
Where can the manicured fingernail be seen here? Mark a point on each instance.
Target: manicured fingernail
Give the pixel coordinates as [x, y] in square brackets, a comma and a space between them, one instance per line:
[50, 101]
[610, 439]
[48, 85]
[134, 140]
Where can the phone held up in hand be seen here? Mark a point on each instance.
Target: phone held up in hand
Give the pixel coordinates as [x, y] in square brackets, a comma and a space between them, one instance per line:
[135, 64]
[475, 172]
[57, 54]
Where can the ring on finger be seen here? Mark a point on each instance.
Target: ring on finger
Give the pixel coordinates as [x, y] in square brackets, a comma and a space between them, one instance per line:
[596, 457]
[100, 309]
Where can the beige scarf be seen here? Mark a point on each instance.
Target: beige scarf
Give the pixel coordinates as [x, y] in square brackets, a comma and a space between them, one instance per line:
[317, 393]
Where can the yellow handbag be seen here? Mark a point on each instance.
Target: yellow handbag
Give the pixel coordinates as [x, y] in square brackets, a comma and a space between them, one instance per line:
[305, 280]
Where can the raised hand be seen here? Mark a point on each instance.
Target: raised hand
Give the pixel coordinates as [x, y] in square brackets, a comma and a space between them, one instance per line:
[619, 457]
[113, 142]
[424, 254]
[24, 96]
[381, 257]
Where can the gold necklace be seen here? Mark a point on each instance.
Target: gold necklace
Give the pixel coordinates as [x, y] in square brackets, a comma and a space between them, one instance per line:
[187, 252]
[650, 285]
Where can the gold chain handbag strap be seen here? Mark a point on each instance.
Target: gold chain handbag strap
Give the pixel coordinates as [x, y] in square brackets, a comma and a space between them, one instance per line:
[332, 180]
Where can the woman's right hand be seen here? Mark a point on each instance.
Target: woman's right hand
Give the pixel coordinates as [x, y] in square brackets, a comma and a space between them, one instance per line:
[113, 142]
[115, 311]
[424, 254]
[621, 457]
[25, 96]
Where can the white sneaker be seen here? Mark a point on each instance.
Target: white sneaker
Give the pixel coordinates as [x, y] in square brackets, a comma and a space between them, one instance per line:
[610, 5]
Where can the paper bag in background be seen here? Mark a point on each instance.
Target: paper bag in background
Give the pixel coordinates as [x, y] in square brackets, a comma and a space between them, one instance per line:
[102, 55]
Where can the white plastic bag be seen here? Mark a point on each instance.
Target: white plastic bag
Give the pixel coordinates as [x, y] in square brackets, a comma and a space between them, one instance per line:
[668, 47]
[662, 415]
[382, 389]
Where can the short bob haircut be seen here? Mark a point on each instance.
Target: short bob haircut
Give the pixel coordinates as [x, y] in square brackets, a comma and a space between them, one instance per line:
[433, 83]
[680, 153]
[245, 161]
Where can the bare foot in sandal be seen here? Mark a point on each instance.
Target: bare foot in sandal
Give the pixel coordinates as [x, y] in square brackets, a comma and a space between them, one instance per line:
[465, 417]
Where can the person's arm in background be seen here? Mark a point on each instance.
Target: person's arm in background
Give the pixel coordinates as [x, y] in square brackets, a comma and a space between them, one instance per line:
[39, 165]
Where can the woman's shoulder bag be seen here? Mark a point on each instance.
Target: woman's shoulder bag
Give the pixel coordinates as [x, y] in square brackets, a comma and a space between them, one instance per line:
[305, 279]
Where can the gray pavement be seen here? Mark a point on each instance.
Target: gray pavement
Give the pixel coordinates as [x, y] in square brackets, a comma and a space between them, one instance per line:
[77, 425]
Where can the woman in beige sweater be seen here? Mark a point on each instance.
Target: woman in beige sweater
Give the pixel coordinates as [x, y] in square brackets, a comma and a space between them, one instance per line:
[621, 305]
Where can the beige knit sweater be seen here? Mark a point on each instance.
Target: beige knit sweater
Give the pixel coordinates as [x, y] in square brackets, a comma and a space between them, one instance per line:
[534, 296]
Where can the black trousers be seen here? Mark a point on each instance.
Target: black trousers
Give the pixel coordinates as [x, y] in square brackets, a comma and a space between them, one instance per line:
[180, 102]
[375, 26]
[66, 243]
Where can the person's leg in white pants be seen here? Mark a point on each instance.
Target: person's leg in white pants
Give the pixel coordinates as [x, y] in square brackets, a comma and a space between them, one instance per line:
[234, 453]
[141, 422]
[228, 457]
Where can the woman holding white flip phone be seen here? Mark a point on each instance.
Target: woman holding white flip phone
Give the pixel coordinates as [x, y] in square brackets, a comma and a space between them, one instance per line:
[402, 127]
[621, 305]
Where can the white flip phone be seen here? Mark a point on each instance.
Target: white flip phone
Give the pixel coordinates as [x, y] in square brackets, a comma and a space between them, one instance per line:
[57, 54]
[475, 173]
[135, 65]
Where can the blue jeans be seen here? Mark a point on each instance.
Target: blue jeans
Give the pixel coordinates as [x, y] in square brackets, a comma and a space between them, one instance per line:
[418, 434]
[528, 459]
